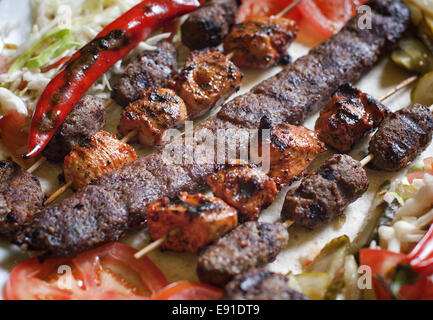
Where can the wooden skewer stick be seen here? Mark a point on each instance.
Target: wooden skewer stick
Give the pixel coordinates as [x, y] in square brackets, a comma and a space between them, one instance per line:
[288, 9]
[367, 160]
[42, 160]
[37, 165]
[155, 245]
[60, 191]
[400, 86]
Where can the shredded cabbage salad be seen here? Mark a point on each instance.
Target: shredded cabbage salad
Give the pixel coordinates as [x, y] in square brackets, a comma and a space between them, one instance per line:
[413, 215]
[60, 28]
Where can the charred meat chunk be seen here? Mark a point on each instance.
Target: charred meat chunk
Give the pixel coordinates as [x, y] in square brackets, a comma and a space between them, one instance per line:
[261, 43]
[102, 154]
[349, 116]
[244, 187]
[89, 219]
[21, 197]
[325, 193]
[210, 24]
[252, 244]
[159, 110]
[87, 118]
[195, 221]
[401, 138]
[206, 81]
[151, 69]
[260, 284]
[291, 149]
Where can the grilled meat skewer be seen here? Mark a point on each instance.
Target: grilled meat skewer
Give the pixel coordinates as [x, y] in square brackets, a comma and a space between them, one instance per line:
[198, 220]
[21, 197]
[151, 69]
[252, 244]
[102, 154]
[87, 118]
[326, 192]
[209, 25]
[261, 43]
[292, 149]
[401, 138]
[260, 284]
[207, 80]
[157, 111]
[245, 187]
[348, 117]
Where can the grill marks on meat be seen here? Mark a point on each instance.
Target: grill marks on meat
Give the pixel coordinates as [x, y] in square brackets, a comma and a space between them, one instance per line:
[261, 43]
[91, 218]
[306, 85]
[292, 149]
[260, 284]
[207, 80]
[210, 24]
[150, 178]
[401, 138]
[102, 154]
[151, 69]
[325, 193]
[244, 187]
[349, 116]
[87, 118]
[195, 220]
[250, 245]
[159, 110]
[21, 197]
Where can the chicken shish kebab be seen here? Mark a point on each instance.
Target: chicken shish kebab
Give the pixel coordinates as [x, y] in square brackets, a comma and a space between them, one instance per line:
[207, 80]
[260, 284]
[292, 149]
[210, 24]
[261, 43]
[196, 220]
[114, 210]
[351, 114]
[102, 154]
[348, 117]
[157, 111]
[244, 187]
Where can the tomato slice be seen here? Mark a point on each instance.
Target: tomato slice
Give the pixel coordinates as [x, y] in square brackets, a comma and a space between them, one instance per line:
[380, 261]
[13, 132]
[186, 290]
[328, 16]
[107, 273]
[253, 9]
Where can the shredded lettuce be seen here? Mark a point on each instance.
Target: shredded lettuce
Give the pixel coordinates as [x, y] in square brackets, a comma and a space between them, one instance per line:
[61, 40]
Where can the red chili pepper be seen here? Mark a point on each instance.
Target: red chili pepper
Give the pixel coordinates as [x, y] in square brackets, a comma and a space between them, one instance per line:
[91, 61]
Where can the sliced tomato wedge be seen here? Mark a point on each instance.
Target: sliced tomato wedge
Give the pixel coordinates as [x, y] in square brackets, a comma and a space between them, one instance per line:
[186, 290]
[328, 16]
[325, 16]
[253, 9]
[13, 133]
[107, 273]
